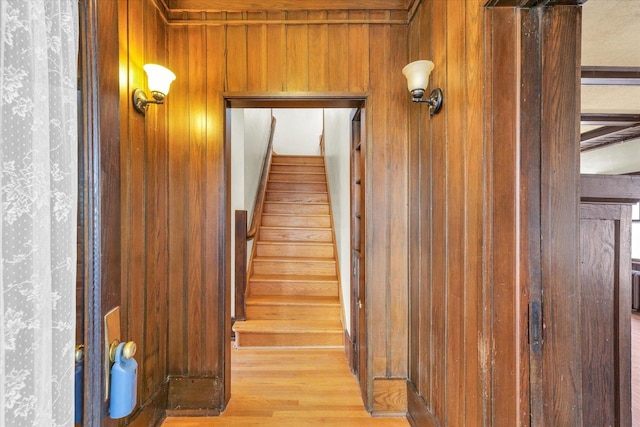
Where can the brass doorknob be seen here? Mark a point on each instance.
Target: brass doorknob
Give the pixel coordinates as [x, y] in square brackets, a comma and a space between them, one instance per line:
[128, 350]
[79, 352]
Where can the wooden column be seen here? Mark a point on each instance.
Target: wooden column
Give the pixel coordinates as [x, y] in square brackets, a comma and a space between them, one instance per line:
[533, 191]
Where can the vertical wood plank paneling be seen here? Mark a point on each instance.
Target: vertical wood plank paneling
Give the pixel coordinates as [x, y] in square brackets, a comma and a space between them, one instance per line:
[531, 207]
[105, 287]
[149, 167]
[475, 361]
[144, 209]
[126, 112]
[560, 203]
[446, 276]
[256, 54]
[504, 225]
[197, 138]
[215, 210]
[236, 58]
[318, 64]
[338, 53]
[397, 340]
[455, 188]
[136, 209]
[439, 227]
[297, 58]
[415, 213]
[178, 135]
[376, 260]
[426, 282]
[160, 259]
[276, 42]
[358, 53]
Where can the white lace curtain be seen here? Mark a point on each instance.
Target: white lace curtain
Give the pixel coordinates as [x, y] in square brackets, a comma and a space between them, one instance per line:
[38, 184]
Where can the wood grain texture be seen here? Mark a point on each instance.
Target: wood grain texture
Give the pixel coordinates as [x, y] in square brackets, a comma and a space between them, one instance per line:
[598, 281]
[390, 396]
[607, 348]
[291, 388]
[635, 367]
[560, 184]
[144, 206]
[180, 155]
[102, 291]
[505, 222]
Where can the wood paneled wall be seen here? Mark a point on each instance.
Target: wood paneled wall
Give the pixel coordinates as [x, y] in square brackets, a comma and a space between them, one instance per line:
[447, 350]
[459, 224]
[144, 154]
[175, 177]
[493, 203]
[297, 58]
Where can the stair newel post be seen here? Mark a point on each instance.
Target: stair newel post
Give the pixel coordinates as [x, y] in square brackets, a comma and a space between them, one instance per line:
[240, 263]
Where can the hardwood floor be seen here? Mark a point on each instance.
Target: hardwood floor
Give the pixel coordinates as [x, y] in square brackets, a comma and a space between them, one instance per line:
[291, 387]
[635, 369]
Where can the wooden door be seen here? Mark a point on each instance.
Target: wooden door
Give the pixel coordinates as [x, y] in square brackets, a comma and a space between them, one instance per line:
[605, 299]
[100, 198]
[358, 294]
[605, 242]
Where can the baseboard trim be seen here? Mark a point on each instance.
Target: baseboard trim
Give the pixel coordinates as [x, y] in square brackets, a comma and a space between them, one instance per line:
[389, 397]
[188, 394]
[348, 349]
[418, 413]
[200, 413]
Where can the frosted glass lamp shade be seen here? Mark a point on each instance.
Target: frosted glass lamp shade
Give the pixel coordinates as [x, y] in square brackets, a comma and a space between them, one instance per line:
[417, 74]
[159, 80]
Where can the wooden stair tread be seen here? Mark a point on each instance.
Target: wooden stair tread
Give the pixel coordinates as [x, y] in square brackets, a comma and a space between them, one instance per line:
[277, 227]
[293, 259]
[295, 203]
[296, 192]
[295, 242]
[309, 172]
[294, 300]
[288, 326]
[294, 278]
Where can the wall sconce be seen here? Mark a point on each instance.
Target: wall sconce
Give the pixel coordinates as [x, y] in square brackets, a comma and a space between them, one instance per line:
[417, 74]
[159, 80]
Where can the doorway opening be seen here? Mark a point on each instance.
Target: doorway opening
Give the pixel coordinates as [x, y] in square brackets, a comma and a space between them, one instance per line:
[246, 119]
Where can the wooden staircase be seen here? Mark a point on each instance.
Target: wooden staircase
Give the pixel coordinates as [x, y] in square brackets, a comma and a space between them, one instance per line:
[292, 298]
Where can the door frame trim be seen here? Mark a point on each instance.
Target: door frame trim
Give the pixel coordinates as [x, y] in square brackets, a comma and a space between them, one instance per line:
[265, 100]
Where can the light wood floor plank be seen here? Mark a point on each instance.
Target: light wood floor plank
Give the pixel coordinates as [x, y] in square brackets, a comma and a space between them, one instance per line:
[291, 387]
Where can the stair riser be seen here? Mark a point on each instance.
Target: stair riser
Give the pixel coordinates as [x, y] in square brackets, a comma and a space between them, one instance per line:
[296, 208]
[288, 312]
[319, 289]
[292, 267]
[296, 234]
[287, 196]
[322, 221]
[297, 186]
[298, 160]
[297, 168]
[297, 177]
[295, 250]
[245, 339]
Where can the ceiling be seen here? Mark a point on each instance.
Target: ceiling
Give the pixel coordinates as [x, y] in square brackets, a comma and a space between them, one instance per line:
[611, 106]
